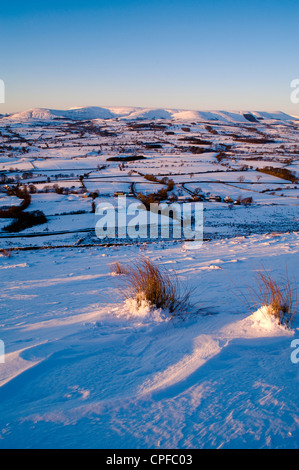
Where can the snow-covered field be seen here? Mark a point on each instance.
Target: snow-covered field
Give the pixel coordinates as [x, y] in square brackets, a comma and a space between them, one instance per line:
[84, 368]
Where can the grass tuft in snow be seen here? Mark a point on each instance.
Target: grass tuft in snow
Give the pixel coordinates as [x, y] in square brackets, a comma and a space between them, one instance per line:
[7, 252]
[280, 298]
[150, 284]
[117, 269]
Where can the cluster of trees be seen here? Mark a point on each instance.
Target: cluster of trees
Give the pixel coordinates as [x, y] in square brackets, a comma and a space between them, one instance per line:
[158, 196]
[164, 180]
[25, 220]
[15, 211]
[21, 219]
[283, 173]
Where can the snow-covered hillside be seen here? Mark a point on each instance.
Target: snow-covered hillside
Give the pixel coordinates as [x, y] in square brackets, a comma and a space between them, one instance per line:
[95, 112]
[85, 370]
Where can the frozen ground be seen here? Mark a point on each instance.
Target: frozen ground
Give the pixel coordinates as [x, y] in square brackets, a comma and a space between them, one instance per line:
[83, 368]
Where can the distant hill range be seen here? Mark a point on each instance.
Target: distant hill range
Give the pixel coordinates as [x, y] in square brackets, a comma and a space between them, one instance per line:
[133, 113]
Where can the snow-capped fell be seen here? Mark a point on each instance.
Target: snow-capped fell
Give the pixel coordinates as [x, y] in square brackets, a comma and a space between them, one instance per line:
[132, 113]
[38, 114]
[275, 115]
[90, 112]
[151, 114]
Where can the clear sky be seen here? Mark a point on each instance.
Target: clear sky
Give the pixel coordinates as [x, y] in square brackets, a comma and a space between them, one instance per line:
[192, 54]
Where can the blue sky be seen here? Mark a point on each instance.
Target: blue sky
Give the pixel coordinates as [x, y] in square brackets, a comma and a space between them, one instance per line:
[178, 54]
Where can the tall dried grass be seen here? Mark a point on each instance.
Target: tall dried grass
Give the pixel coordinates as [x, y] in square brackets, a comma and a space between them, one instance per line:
[117, 268]
[146, 280]
[281, 298]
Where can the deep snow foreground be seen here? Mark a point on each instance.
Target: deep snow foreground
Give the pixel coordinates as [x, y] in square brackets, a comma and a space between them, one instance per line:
[85, 370]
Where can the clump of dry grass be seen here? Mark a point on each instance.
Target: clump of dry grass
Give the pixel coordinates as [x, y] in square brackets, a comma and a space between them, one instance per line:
[280, 298]
[117, 268]
[7, 252]
[148, 281]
